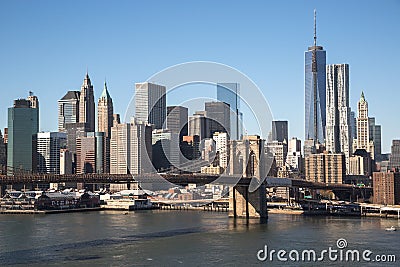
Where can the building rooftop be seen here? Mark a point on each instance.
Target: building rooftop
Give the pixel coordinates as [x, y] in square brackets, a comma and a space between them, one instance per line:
[71, 95]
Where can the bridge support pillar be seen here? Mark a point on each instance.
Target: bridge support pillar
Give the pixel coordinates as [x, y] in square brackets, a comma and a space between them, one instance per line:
[245, 204]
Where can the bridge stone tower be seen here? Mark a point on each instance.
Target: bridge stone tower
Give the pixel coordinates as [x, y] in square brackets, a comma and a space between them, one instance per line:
[247, 159]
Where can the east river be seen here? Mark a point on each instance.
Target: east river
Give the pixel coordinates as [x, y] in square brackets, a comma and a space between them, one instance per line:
[186, 238]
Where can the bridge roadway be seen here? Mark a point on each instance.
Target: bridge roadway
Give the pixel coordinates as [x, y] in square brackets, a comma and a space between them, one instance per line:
[177, 179]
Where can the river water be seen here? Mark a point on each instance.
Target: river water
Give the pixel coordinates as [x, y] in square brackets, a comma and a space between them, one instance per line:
[184, 238]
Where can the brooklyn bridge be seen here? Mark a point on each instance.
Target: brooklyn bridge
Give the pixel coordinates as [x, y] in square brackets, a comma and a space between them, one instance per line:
[176, 179]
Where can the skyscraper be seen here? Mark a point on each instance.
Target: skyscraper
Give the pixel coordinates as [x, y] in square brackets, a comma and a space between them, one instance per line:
[362, 124]
[338, 122]
[229, 93]
[279, 131]
[86, 153]
[65, 161]
[68, 109]
[165, 149]
[353, 124]
[48, 151]
[198, 125]
[86, 104]
[102, 152]
[105, 112]
[177, 120]
[131, 150]
[315, 91]
[279, 151]
[75, 131]
[3, 154]
[23, 125]
[221, 147]
[394, 161]
[294, 157]
[375, 136]
[151, 104]
[218, 116]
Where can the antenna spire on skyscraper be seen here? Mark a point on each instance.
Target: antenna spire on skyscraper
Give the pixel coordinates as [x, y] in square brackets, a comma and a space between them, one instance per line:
[315, 27]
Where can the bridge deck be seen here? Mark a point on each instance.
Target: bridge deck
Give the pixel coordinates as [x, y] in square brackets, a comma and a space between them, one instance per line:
[177, 179]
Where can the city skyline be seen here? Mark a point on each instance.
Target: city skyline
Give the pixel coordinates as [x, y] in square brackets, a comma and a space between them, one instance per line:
[371, 25]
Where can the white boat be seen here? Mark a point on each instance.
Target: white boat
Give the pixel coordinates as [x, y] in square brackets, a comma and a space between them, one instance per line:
[391, 229]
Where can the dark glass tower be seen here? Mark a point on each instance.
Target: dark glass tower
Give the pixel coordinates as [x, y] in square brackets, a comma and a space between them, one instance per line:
[315, 91]
[280, 131]
[23, 126]
[229, 93]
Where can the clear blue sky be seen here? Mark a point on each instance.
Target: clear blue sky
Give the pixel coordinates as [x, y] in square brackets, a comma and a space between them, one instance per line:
[46, 47]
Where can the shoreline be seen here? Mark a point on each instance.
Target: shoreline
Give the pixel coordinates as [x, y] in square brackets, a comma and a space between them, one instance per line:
[49, 211]
[270, 211]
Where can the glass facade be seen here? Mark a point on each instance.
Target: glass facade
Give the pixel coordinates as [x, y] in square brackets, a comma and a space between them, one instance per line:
[218, 117]
[230, 93]
[151, 104]
[23, 125]
[321, 94]
[68, 110]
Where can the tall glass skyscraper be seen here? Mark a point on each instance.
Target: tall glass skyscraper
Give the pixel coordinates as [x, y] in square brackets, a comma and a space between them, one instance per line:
[151, 104]
[68, 110]
[23, 126]
[229, 93]
[315, 91]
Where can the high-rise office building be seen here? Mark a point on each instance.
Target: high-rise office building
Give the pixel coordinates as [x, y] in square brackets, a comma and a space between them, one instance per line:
[375, 135]
[151, 104]
[65, 161]
[190, 148]
[309, 147]
[353, 124]
[338, 122]
[3, 154]
[222, 149]
[75, 131]
[86, 153]
[5, 135]
[102, 152]
[218, 116]
[105, 111]
[362, 124]
[198, 125]
[130, 149]
[315, 91]
[48, 151]
[294, 157]
[394, 160]
[229, 93]
[280, 131]
[279, 150]
[165, 149]
[68, 109]
[177, 120]
[23, 126]
[116, 119]
[360, 163]
[86, 104]
[92, 153]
